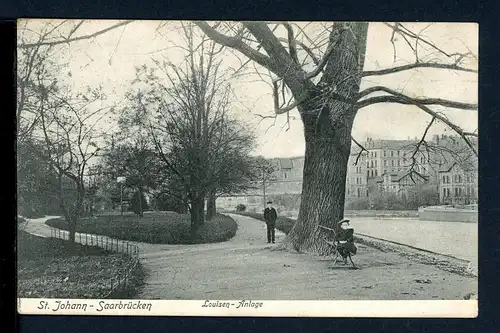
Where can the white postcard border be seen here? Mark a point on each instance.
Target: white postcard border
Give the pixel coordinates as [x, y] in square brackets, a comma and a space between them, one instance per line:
[252, 308]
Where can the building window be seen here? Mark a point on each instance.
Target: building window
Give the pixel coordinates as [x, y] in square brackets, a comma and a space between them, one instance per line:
[368, 173]
[286, 175]
[385, 153]
[375, 173]
[385, 162]
[358, 192]
[444, 192]
[399, 163]
[392, 153]
[392, 162]
[444, 180]
[398, 152]
[375, 154]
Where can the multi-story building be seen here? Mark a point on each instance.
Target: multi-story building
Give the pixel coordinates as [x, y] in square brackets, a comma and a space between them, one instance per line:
[356, 179]
[381, 163]
[399, 182]
[285, 179]
[458, 183]
[384, 165]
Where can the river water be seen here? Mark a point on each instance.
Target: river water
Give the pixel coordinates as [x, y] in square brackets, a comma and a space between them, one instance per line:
[458, 239]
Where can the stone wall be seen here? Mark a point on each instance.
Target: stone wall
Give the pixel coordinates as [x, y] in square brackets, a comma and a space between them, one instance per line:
[448, 214]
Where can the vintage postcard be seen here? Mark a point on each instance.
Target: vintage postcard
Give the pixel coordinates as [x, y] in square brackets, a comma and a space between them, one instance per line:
[196, 168]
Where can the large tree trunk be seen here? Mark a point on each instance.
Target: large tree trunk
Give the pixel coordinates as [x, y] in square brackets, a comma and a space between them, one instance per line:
[327, 130]
[323, 187]
[211, 206]
[197, 214]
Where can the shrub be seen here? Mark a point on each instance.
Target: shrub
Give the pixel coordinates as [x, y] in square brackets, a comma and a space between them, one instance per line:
[241, 208]
[155, 228]
[357, 203]
[283, 224]
[286, 201]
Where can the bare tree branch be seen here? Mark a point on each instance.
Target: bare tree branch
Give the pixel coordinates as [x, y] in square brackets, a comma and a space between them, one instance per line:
[417, 65]
[322, 63]
[291, 42]
[235, 43]
[363, 149]
[73, 39]
[404, 99]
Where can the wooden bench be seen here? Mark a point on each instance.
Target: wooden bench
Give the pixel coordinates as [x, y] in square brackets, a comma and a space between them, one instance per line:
[333, 242]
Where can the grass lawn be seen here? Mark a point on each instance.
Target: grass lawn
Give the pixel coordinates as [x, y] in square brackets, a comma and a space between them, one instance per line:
[155, 228]
[283, 224]
[47, 269]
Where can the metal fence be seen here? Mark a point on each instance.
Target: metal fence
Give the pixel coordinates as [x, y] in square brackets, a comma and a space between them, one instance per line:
[124, 276]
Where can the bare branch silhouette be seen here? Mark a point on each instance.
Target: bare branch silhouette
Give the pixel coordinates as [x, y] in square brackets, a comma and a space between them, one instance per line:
[73, 39]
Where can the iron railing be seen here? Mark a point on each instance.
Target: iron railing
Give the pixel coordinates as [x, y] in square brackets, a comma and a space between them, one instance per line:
[124, 276]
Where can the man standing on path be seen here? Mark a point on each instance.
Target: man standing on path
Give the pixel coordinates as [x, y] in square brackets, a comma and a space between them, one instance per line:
[270, 216]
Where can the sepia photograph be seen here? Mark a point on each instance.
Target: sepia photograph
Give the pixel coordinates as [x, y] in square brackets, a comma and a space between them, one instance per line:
[247, 168]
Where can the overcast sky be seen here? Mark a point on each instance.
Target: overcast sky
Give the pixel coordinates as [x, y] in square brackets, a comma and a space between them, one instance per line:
[110, 60]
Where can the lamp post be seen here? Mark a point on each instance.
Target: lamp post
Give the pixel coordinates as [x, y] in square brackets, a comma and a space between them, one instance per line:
[121, 181]
[264, 187]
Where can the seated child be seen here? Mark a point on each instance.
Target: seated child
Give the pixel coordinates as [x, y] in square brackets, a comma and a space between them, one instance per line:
[346, 239]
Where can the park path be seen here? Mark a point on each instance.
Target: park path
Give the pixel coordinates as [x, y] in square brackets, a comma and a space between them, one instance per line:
[246, 267]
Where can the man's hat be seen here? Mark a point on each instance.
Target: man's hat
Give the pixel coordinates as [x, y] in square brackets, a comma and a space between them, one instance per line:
[269, 202]
[342, 221]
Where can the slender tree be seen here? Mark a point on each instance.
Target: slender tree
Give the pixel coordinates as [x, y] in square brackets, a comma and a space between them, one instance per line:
[231, 168]
[201, 146]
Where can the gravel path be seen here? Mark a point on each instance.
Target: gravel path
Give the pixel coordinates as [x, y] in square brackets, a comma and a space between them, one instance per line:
[246, 267]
